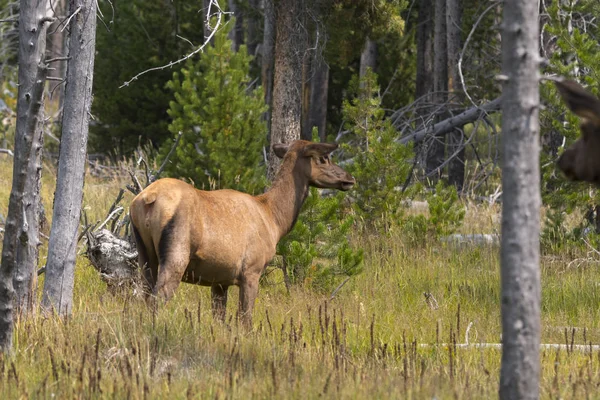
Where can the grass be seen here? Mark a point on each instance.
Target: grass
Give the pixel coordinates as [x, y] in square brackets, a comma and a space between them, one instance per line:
[376, 339]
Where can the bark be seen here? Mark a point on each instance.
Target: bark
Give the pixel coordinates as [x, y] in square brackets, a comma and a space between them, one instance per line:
[306, 130]
[287, 83]
[268, 60]
[237, 33]
[253, 26]
[435, 152]
[18, 230]
[456, 167]
[424, 79]
[519, 253]
[60, 267]
[318, 96]
[57, 47]
[368, 58]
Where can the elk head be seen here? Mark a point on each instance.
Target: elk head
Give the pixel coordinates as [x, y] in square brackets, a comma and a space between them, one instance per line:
[581, 161]
[313, 162]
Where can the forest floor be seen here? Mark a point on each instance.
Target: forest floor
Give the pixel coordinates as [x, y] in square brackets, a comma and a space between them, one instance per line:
[379, 337]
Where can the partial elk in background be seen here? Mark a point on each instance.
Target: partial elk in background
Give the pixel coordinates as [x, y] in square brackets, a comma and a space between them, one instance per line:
[224, 237]
[581, 161]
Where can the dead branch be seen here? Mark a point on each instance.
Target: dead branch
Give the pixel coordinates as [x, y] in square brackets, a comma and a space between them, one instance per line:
[154, 176]
[448, 125]
[7, 151]
[213, 30]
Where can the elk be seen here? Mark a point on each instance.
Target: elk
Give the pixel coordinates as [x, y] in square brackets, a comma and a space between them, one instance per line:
[225, 237]
[581, 161]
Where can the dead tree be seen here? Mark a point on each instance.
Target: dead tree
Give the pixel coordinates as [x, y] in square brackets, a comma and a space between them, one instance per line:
[520, 247]
[60, 267]
[33, 23]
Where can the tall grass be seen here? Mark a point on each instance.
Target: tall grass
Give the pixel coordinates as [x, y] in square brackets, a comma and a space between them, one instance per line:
[379, 337]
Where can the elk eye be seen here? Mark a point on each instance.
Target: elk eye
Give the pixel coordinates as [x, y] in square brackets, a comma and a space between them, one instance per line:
[321, 160]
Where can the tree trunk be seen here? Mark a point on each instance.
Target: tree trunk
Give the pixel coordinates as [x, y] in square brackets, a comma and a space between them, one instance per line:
[19, 231]
[268, 61]
[237, 33]
[57, 47]
[60, 267]
[519, 254]
[456, 167]
[424, 79]
[287, 84]
[368, 58]
[318, 96]
[253, 27]
[435, 153]
[306, 127]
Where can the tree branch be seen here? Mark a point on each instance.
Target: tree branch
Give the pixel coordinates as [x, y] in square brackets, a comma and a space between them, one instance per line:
[447, 125]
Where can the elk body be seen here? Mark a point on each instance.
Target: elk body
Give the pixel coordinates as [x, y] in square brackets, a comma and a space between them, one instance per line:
[224, 237]
[581, 161]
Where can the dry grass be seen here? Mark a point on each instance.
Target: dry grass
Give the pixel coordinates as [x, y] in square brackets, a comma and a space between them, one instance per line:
[376, 339]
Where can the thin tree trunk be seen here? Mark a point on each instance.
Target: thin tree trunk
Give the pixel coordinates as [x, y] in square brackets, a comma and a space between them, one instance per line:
[318, 96]
[60, 267]
[306, 130]
[456, 167]
[268, 60]
[520, 252]
[435, 152]
[368, 58]
[25, 275]
[18, 230]
[57, 47]
[253, 27]
[287, 84]
[424, 79]
[237, 33]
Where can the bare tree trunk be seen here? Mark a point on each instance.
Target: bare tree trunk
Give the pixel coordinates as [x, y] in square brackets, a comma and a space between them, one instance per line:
[287, 84]
[18, 230]
[318, 96]
[520, 252]
[306, 127]
[424, 79]
[25, 275]
[253, 27]
[268, 60]
[435, 153]
[60, 267]
[237, 33]
[456, 167]
[368, 58]
[57, 47]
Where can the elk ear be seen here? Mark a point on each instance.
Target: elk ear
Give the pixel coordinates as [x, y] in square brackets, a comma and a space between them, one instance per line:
[280, 149]
[580, 101]
[318, 149]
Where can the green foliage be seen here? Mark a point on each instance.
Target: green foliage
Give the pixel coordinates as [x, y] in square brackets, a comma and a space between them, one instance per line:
[137, 35]
[223, 134]
[446, 214]
[318, 252]
[380, 165]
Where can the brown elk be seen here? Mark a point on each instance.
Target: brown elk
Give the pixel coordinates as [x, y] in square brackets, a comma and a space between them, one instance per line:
[224, 237]
[581, 161]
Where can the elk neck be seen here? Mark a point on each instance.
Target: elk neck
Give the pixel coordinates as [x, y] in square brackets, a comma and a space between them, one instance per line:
[286, 196]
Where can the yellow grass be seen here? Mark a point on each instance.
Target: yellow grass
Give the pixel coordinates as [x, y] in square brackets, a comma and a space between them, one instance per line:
[376, 339]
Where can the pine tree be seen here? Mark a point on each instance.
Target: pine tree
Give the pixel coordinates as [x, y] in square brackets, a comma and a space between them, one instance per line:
[219, 115]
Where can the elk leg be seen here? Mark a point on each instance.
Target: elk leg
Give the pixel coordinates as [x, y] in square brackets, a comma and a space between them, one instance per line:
[248, 293]
[147, 261]
[219, 301]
